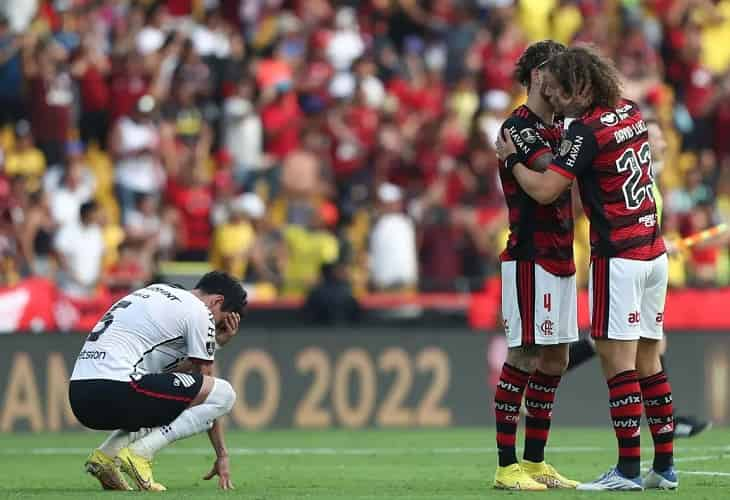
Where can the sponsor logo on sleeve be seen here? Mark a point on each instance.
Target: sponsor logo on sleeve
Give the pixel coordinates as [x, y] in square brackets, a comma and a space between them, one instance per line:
[518, 140]
[529, 135]
[609, 119]
[565, 147]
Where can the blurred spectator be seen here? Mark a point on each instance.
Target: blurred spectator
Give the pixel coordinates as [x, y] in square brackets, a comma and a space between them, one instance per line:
[143, 225]
[70, 187]
[25, 159]
[9, 252]
[36, 236]
[393, 264]
[135, 146]
[242, 132]
[281, 119]
[233, 240]
[183, 119]
[129, 272]
[11, 75]
[192, 196]
[91, 68]
[50, 95]
[331, 301]
[268, 255]
[307, 249]
[79, 249]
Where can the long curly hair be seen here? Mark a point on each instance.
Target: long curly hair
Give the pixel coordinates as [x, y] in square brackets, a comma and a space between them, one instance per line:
[582, 65]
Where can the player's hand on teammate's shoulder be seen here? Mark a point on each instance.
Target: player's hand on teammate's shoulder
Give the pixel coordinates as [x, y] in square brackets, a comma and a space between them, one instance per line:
[504, 146]
[228, 328]
[672, 249]
[222, 469]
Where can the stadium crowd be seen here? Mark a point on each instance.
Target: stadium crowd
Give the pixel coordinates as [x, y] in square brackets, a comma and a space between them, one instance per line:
[275, 138]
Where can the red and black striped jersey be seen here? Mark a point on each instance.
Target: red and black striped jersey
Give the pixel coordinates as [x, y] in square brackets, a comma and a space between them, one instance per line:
[539, 233]
[608, 151]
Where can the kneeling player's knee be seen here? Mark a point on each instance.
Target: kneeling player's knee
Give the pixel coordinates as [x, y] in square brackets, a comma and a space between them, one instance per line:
[222, 396]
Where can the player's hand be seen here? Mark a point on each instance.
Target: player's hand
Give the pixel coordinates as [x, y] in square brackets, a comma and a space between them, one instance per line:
[671, 247]
[504, 146]
[227, 328]
[222, 469]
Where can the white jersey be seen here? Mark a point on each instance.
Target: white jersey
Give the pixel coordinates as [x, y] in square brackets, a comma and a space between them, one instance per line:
[148, 331]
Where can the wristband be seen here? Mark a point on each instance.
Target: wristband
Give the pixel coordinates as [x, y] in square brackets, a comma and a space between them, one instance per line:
[512, 160]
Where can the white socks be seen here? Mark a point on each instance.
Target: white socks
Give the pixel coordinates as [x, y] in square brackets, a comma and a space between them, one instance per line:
[121, 439]
[192, 421]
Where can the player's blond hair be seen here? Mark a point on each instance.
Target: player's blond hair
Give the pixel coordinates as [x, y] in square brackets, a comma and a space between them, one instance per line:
[582, 65]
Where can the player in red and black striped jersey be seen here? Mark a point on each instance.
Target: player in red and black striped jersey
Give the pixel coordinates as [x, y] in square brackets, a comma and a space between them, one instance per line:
[606, 149]
[538, 290]
[539, 233]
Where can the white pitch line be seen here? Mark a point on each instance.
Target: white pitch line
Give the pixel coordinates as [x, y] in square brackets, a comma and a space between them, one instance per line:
[703, 458]
[362, 451]
[703, 473]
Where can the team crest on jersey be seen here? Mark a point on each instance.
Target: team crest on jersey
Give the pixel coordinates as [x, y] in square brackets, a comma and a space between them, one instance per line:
[565, 147]
[609, 119]
[529, 135]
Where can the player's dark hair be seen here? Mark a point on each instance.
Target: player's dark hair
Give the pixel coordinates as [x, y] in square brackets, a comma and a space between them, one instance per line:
[218, 282]
[535, 56]
[582, 65]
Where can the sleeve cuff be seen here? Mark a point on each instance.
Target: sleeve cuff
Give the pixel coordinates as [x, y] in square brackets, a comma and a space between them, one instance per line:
[561, 171]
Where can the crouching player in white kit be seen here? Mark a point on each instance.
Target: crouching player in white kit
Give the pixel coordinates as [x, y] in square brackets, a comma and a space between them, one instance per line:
[145, 373]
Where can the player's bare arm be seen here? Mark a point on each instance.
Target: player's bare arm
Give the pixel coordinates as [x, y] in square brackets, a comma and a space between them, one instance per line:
[221, 466]
[543, 186]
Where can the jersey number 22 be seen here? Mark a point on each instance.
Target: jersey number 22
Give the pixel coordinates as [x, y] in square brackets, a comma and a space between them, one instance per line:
[633, 193]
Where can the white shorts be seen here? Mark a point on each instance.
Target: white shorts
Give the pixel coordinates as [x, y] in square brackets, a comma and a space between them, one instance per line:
[626, 298]
[538, 307]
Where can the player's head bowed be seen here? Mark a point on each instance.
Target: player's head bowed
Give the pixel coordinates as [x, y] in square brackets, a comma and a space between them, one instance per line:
[234, 297]
[535, 57]
[582, 79]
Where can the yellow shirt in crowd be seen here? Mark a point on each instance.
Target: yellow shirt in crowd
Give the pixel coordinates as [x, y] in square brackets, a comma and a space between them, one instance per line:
[306, 252]
[232, 242]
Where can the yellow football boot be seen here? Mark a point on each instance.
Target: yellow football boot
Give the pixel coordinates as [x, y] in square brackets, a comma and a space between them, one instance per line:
[512, 477]
[547, 475]
[139, 469]
[102, 467]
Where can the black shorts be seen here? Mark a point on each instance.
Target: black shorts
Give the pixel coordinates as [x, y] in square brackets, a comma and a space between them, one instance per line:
[148, 401]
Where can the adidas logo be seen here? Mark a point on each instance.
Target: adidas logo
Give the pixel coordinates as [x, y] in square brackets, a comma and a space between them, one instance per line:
[666, 429]
[184, 379]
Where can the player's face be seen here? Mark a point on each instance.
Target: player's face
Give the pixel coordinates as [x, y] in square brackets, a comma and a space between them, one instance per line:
[545, 89]
[562, 102]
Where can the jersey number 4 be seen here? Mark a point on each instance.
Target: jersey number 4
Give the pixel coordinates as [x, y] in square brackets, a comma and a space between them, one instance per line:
[106, 320]
[634, 194]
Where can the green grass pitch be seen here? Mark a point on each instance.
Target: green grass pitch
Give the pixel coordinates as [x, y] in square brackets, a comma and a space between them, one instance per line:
[341, 464]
